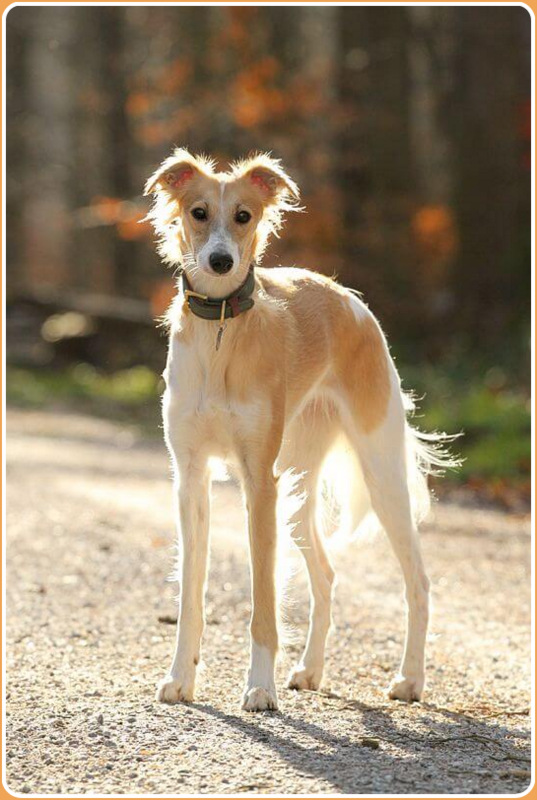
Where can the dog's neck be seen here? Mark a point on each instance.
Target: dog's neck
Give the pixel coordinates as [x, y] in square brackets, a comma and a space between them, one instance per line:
[220, 308]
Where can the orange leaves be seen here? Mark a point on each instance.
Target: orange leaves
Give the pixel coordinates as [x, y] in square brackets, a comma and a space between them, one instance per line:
[175, 76]
[251, 109]
[320, 228]
[146, 95]
[259, 95]
[106, 209]
[238, 31]
[307, 100]
[125, 215]
[139, 103]
[132, 229]
[161, 295]
[153, 133]
[435, 234]
[153, 92]
[255, 98]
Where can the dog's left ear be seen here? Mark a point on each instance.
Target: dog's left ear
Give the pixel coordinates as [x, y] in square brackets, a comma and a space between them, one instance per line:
[268, 177]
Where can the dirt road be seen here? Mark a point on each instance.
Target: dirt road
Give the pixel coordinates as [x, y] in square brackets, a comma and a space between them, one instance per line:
[90, 545]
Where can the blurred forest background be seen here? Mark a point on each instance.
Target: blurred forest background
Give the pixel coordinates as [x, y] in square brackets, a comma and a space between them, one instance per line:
[407, 128]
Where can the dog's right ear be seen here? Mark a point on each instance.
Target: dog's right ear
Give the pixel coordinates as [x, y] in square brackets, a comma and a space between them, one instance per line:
[176, 172]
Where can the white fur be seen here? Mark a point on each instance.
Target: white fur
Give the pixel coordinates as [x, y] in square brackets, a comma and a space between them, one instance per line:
[383, 466]
[260, 691]
[218, 242]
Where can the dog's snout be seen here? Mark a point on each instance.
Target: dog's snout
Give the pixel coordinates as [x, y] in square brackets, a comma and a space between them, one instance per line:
[220, 262]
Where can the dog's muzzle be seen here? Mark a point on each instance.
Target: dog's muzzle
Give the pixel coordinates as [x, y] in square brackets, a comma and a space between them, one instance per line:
[220, 262]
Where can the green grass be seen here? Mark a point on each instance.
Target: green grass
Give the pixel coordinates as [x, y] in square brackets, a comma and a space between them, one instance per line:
[130, 394]
[494, 418]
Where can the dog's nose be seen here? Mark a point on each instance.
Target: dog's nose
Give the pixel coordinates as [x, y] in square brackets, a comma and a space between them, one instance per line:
[220, 262]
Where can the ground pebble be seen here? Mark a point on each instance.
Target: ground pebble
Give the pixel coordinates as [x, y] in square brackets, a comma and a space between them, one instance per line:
[368, 741]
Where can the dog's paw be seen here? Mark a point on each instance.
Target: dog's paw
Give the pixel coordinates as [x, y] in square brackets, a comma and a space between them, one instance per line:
[302, 677]
[171, 690]
[409, 690]
[259, 699]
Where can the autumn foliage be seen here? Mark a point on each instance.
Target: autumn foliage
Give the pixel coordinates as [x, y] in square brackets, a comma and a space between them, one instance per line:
[412, 155]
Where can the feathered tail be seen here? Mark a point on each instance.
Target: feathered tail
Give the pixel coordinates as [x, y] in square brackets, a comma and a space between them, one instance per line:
[345, 507]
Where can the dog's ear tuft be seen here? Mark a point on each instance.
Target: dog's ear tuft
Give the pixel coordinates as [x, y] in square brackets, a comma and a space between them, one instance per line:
[270, 179]
[174, 173]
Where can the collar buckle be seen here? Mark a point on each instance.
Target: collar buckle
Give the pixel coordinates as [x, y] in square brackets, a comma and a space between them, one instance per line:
[189, 293]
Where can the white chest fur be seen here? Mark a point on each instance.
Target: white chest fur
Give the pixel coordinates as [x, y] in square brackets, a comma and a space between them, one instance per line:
[195, 375]
[200, 415]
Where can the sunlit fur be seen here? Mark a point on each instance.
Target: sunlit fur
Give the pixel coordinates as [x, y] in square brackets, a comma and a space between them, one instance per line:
[181, 237]
[305, 372]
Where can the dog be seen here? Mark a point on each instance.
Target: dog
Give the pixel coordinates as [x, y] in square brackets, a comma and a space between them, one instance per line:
[270, 369]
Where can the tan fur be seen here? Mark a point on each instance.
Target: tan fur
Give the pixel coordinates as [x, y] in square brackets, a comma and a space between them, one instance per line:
[226, 191]
[301, 328]
[306, 346]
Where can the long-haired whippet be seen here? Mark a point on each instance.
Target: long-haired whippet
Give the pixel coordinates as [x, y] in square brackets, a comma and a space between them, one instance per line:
[269, 369]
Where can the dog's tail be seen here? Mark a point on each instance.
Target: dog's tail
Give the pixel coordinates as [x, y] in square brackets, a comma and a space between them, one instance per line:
[345, 509]
[343, 504]
[426, 454]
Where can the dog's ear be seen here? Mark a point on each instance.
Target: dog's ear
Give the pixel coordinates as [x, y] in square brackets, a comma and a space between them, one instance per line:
[268, 177]
[176, 172]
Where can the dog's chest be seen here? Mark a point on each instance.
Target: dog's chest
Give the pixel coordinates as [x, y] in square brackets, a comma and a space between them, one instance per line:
[195, 377]
[198, 399]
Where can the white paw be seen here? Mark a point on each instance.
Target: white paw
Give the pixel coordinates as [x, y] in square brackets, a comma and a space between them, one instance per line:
[407, 689]
[302, 677]
[259, 699]
[171, 690]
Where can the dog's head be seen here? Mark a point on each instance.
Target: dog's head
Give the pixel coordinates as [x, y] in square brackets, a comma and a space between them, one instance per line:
[215, 224]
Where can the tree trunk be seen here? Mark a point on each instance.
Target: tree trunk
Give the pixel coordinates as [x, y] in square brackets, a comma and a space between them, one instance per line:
[49, 140]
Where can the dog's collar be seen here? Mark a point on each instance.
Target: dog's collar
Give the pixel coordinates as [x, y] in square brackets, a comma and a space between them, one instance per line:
[220, 308]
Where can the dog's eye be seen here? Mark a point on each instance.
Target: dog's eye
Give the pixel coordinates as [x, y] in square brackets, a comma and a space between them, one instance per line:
[199, 213]
[242, 217]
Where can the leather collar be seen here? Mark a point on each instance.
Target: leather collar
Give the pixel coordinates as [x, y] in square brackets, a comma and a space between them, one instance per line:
[220, 308]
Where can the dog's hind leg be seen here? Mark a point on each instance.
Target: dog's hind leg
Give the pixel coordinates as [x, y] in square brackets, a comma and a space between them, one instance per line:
[307, 674]
[309, 440]
[383, 457]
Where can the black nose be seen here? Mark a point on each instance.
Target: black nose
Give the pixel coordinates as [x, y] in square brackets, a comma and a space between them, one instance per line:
[220, 262]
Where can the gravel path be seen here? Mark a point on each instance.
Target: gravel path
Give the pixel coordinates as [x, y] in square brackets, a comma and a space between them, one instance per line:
[90, 545]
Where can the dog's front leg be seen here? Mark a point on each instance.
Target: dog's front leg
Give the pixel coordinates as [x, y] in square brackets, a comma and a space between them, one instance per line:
[193, 524]
[260, 691]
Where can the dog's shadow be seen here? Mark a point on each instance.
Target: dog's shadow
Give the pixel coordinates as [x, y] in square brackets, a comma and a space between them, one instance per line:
[440, 751]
